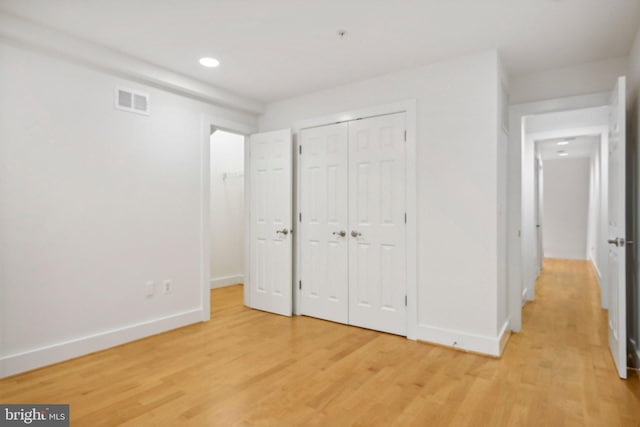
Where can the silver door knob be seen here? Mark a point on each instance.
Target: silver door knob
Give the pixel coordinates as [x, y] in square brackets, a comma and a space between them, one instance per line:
[340, 233]
[284, 231]
[618, 242]
[355, 233]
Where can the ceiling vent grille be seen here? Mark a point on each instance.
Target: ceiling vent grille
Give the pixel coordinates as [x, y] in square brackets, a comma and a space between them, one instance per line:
[132, 101]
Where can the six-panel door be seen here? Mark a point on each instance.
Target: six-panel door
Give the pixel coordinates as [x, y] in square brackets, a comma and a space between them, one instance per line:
[377, 261]
[324, 222]
[352, 192]
[271, 222]
[617, 229]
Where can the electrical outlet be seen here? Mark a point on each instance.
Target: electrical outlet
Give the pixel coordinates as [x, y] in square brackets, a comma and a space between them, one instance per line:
[166, 287]
[149, 288]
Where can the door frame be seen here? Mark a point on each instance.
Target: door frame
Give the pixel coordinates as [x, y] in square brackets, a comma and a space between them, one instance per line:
[207, 122]
[517, 142]
[409, 107]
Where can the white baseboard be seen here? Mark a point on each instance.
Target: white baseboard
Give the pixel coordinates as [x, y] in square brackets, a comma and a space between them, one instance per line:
[598, 273]
[220, 282]
[524, 296]
[503, 337]
[462, 340]
[31, 359]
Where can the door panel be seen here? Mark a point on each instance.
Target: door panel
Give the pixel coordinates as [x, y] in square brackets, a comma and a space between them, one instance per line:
[324, 254]
[617, 228]
[271, 219]
[377, 266]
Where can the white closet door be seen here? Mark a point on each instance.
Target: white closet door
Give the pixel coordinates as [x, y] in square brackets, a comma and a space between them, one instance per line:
[377, 261]
[271, 258]
[323, 270]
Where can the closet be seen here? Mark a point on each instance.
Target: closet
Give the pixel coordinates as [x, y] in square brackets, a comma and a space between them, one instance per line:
[352, 223]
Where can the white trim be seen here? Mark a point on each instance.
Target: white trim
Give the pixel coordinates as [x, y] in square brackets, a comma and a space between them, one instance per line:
[409, 107]
[206, 122]
[503, 336]
[514, 186]
[595, 267]
[221, 282]
[35, 358]
[28, 34]
[462, 340]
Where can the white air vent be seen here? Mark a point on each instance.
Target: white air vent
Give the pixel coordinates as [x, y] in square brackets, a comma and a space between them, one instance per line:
[132, 101]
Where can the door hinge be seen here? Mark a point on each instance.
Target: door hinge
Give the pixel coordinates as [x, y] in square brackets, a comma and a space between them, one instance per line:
[300, 149]
[300, 216]
[299, 284]
[405, 217]
[405, 136]
[405, 300]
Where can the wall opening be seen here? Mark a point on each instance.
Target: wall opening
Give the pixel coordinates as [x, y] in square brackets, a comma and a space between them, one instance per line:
[569, 198]
[227, 213]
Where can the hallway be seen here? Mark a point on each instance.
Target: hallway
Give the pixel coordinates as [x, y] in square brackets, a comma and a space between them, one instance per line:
[246, 368]
[564, 350]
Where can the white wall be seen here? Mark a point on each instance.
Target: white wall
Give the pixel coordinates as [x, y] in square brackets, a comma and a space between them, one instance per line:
[95, 202]
[503, 159]
[457, 146]
[227, 208]
[569, 81]
[566, 207]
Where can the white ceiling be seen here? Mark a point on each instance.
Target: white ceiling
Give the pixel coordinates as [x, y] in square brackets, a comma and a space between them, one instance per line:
[275, 49]
[581, 146]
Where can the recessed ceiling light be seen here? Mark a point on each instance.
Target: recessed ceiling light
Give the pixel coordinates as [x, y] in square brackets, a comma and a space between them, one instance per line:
[563, 142]
[209, 62]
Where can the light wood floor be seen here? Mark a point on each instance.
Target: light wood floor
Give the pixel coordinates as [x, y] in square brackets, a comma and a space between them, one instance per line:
[246, 368]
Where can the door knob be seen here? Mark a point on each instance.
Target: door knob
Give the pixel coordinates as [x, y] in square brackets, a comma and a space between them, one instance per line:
[618, 242]
[355, 233]
[284, 231]
[340, 233]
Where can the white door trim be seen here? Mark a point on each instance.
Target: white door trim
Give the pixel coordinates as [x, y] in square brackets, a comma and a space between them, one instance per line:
[409, 107]
[206, 122]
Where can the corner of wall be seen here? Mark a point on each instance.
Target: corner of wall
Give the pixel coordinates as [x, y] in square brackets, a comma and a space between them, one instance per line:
[483, 344]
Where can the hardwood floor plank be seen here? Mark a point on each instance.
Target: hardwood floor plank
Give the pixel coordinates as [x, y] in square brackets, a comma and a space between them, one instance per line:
[250, 368]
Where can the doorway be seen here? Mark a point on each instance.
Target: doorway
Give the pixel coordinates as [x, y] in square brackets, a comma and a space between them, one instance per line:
[544, 120]
[226, 209]
[569, 200]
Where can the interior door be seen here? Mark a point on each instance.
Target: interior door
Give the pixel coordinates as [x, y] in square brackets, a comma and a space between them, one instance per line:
[377, 261]
[617, 228]
[324, 255]
[271, 259]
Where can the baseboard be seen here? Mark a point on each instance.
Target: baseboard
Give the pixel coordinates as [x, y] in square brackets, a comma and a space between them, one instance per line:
[221, 282]
[505, 334]
[490, 346]
[597, 270]
[524, 296]
[31, 359]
